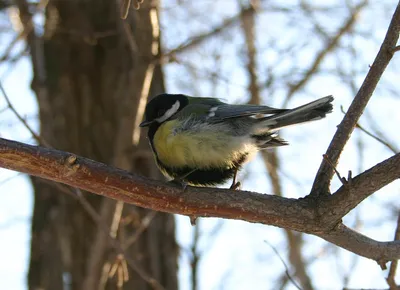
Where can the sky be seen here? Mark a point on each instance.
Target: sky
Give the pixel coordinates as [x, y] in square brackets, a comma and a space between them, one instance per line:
[238, 255]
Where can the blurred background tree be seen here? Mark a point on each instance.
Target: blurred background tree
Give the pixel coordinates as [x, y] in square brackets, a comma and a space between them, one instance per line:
[90, 70]
[91, 73]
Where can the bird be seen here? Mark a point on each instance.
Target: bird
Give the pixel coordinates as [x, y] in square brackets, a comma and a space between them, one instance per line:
[205, 142]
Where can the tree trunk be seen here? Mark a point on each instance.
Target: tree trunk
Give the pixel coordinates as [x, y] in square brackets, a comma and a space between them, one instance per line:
[89, 70]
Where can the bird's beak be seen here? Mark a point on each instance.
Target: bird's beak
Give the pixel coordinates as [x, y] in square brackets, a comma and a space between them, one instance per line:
[145, 123]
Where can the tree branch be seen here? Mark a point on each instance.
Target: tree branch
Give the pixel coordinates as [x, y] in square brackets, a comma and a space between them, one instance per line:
[197, 40]
[345, 128]
[359, 188]
[359, 244]
[329, 47]
[300, 215]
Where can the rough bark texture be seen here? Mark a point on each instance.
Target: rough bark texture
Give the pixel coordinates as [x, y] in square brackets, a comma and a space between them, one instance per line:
[322, 219]
[88, 83]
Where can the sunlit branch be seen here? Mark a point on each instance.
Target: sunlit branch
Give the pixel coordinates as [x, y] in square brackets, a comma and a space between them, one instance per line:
[346, 127]
[300, 215]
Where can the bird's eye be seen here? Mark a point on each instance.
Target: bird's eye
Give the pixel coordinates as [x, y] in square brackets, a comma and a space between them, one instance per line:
[161, 113]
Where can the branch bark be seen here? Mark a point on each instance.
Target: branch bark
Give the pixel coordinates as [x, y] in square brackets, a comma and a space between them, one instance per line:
[346, 127]
[321, 219]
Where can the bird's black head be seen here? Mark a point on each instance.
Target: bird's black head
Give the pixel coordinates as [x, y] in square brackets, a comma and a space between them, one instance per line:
[163, 107]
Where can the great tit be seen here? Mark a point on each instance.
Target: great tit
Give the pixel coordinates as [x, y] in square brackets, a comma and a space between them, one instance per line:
[204, 142]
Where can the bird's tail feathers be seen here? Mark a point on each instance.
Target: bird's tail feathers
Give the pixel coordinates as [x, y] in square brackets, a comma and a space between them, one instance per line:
[306, 113]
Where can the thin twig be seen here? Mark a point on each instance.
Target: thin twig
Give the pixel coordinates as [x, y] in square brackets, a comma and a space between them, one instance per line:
[113, 242]
[342, 179]
[346, 127]
[197, 40]
[330, 45]
[22, 120]
[145, 223]
[10, 47]
[144, 94]
[377, 138]
[119, 206]
[77, 194]
[248, 26]
[284, 264]
[125, 5]
[397, 48]
[195, 256]
[148, 76]
[10, 178]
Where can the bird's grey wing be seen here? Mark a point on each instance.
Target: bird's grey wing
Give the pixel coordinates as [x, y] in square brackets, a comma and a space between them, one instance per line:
[193, 111]
[223, 112]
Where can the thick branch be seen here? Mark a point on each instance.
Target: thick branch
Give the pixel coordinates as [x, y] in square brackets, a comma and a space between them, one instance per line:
[119, 184]
[359, 244]
[359, 188]
[300, 215]
[345, 128]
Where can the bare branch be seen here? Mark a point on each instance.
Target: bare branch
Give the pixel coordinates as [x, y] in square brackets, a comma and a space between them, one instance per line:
[195, 257]
[300, 215]
[397, 48]
[357, 243]
[347, 26]
[248, 26]
[390, 146]
[197, 40]
[284, 264]
[125, 5]
[363, 185]
[22, 120]
[346, 127]
[148, 76]
[144, 224]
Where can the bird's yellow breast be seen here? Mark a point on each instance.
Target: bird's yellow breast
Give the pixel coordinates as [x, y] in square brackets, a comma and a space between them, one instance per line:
[199, 149]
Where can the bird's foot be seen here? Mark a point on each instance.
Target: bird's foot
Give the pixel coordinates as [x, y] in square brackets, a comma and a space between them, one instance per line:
[235, 185]
[179, 182]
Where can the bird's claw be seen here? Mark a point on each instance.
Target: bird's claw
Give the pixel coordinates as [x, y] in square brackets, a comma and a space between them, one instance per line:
[235, 186]
[179, 182]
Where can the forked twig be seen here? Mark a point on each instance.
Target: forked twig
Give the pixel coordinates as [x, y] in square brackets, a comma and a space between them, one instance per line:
[343, 180]
[22, 120]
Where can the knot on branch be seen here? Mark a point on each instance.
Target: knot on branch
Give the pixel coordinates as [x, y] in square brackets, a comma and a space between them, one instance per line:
[71, 165]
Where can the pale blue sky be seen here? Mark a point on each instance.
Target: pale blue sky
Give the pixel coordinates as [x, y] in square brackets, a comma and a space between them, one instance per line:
[237, 257]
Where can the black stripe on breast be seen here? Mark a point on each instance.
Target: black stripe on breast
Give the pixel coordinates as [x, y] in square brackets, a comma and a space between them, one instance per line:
[204, 177]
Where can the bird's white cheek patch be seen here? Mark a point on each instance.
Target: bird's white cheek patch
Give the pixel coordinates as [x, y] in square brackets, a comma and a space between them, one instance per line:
[169, 112]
